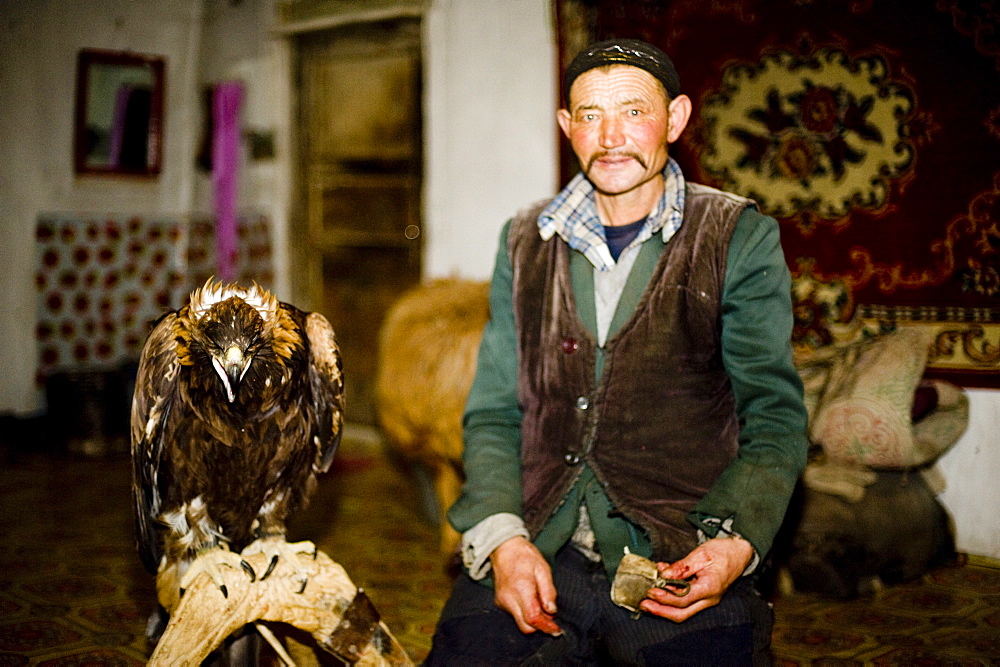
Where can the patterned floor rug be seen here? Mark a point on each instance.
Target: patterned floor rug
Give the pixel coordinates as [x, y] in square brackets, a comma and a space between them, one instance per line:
[72, 590]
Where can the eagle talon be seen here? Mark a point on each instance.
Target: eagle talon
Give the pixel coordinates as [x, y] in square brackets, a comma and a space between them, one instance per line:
[270, 567]
[210, 562]
[248, 568]
[275, 546]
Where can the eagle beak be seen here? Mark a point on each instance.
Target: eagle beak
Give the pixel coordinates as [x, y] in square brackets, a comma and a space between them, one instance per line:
[232, 370]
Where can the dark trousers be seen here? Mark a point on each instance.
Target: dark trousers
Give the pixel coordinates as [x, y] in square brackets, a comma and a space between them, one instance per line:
[474, 631]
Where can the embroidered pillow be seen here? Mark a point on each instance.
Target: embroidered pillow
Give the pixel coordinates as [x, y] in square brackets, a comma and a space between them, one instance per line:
[864, 414]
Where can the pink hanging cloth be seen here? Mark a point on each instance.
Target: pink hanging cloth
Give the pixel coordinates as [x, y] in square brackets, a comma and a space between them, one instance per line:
[227, 101]
[117, 133]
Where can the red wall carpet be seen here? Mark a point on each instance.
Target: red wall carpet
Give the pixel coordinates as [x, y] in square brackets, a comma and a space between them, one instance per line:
[869, 129]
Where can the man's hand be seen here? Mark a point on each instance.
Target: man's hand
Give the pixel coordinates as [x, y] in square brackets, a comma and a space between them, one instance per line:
[524, 587]
[711, 567]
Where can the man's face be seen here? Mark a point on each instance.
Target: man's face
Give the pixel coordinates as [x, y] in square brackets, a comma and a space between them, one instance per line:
[619, 125]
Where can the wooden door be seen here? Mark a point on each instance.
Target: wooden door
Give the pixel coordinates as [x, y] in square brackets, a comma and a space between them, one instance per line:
[360, 171]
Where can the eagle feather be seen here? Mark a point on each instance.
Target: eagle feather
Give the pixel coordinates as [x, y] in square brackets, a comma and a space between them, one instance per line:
[238, 406]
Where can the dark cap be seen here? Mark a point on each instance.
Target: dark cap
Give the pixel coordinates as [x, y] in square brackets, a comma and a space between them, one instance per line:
[634, 52]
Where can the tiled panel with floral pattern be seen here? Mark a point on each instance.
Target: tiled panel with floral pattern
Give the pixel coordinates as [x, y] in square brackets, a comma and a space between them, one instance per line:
[102, 280]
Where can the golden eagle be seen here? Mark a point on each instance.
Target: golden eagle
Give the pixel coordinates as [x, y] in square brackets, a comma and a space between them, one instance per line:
[238, 406]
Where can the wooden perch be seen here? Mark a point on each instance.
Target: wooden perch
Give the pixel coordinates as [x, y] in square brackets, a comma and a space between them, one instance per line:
[331, 608]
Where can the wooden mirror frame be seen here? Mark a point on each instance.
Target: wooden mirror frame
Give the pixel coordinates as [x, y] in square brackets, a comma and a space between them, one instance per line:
[154, 136]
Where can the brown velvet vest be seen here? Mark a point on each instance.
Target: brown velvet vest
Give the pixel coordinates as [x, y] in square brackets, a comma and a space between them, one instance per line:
[659, 426]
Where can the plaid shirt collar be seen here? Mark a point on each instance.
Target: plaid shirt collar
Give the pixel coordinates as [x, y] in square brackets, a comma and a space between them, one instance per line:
[573, 216]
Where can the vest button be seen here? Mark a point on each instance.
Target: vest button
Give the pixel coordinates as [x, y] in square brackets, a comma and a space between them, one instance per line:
[569, 345]
[583, 403]
[571, 459]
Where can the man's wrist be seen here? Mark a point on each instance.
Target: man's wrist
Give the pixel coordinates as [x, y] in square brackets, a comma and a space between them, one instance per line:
[479, 542]
[725, 531]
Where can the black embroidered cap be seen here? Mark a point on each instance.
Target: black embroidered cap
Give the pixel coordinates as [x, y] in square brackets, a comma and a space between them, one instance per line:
[634, 52]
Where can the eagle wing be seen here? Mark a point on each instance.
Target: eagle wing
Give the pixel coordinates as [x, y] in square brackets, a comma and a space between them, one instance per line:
[327, 384]
[152, 402]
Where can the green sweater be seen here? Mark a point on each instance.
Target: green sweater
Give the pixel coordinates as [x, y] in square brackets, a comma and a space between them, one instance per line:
[756, 332]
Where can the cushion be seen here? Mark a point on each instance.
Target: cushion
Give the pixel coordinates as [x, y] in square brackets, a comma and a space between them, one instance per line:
[864, 412]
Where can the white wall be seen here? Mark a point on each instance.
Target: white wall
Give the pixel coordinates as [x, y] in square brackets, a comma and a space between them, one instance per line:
[490, 97]
[970, 468]
[490, 103]
[39, 41]
[202, 43]
[239, 44]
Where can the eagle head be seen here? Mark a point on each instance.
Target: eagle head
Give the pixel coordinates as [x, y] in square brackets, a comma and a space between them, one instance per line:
[231, 332]
[230, 326]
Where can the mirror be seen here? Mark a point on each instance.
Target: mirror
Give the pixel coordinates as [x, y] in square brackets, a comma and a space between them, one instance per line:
[119, 113]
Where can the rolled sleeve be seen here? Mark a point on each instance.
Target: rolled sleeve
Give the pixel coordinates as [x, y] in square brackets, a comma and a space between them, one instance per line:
[479, 541]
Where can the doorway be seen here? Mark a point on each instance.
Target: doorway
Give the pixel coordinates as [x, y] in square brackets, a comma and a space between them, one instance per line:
[358, 224]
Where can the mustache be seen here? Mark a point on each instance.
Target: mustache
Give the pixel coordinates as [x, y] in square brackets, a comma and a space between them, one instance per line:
[603, 154]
